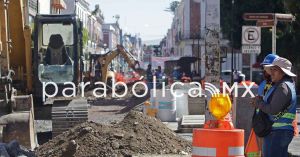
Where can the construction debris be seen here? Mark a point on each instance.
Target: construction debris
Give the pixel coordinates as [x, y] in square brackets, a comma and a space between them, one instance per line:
[137, 134]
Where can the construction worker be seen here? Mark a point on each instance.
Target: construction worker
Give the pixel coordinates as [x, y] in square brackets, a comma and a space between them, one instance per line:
[266, 84]
[279, 103]
[97, 70]
[56, 53]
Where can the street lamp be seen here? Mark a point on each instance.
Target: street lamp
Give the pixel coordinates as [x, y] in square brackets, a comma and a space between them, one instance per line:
[105, 47]
[231, 36]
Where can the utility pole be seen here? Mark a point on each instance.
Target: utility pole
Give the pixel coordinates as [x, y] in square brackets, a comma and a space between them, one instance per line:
[274, 37]
[231, 36]
[212, 46]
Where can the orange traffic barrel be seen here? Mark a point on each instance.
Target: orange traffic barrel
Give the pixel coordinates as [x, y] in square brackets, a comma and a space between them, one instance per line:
[217, 142]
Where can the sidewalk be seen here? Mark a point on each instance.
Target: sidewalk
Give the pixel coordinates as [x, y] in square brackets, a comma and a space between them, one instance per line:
[294, 150]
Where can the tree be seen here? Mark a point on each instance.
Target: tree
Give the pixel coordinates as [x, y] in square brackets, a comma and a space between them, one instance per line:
[85, 37]
[290, 35]
[173, 6]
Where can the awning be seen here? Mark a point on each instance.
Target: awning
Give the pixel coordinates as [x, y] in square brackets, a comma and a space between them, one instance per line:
[187, 60]
[59, 4]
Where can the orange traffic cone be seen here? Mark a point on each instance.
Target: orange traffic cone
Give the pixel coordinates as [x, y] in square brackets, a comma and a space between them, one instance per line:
[252, 148]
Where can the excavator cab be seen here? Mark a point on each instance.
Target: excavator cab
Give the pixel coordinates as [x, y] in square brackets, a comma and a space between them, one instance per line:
[57, 51]
[57, 58]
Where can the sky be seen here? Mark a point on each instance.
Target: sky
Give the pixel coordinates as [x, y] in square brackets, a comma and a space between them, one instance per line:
[144, 17]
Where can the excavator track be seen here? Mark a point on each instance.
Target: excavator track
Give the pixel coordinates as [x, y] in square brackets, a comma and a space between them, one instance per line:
[67, 114]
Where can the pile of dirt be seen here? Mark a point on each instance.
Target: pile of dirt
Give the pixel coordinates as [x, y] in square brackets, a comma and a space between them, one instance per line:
[136, 134]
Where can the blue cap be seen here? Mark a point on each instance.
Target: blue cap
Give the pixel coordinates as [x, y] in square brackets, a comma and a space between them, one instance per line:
[269, 59]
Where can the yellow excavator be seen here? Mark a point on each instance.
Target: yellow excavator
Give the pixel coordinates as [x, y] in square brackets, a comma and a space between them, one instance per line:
[55, 57]
[101, 62]
[16, 106]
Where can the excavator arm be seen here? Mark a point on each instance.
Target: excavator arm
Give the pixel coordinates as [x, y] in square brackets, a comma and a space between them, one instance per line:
[106, 59]
[130, 59]
[16, 111]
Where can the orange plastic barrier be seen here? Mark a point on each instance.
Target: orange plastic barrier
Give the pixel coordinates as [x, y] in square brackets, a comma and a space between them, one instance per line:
[216, 142]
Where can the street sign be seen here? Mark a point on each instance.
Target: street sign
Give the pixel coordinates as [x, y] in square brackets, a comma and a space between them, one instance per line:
[251, 35]
[265, 23]
[251, 39]
[285, 17]
[251, 49]
[258, 16]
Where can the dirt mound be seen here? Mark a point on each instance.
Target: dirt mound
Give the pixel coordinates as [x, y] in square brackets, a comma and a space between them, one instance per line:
[136, 134]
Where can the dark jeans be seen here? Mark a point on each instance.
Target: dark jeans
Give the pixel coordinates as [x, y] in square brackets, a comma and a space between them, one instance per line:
[277, 142]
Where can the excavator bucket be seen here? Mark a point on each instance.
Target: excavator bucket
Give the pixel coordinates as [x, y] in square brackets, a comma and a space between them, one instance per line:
[67, 114]
[19, 125]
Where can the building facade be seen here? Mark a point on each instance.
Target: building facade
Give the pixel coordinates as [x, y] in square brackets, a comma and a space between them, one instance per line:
[186, 37]
[92, 23]
[111, 35]
[134, 45]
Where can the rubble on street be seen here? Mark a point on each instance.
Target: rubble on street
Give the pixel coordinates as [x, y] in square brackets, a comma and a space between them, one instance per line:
[136, 134]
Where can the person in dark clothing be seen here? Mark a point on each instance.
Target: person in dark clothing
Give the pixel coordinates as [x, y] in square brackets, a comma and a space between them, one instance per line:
[176, 74]
[149, 76]
[98, 70]
[56, 53]
[158, 73]
[149, 73]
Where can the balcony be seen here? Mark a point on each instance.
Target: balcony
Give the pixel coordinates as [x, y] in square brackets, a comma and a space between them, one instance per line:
[33, 5]
[59, 4]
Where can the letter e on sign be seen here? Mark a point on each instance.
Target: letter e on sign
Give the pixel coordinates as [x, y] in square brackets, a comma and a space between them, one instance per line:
[251, 35]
